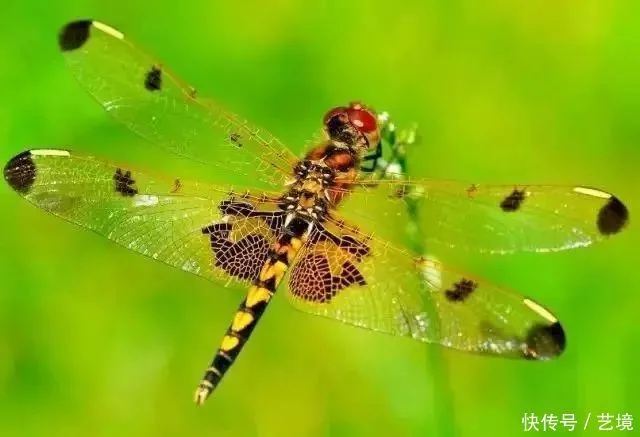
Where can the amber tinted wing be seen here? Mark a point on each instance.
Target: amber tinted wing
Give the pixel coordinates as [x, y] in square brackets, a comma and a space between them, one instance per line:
[201, 229]
[490, 218]
[147, 98]
[345, 275]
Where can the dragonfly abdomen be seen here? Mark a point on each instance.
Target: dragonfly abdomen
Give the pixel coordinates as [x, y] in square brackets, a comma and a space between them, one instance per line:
[253, 306]
[244, 321]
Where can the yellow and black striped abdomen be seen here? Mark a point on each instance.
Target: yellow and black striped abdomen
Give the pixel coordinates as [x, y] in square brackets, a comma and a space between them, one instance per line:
[249, 312]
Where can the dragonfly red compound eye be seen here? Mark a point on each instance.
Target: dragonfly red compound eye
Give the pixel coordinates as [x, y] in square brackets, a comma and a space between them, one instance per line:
[362, 118]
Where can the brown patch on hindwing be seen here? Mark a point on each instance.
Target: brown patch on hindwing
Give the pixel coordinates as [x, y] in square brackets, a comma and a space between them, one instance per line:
[313, 280]
[241, 243]
[327, 268]
[242, 258]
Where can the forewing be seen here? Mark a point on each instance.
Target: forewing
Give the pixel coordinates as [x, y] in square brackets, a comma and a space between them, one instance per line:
[151, 101]
[348, 276]
[201, 229]
[489, 218]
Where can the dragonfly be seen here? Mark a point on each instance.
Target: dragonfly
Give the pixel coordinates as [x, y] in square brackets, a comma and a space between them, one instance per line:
[319, 222]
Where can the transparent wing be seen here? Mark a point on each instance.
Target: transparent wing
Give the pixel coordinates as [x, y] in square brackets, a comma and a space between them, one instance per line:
[345, 275]
[197, 228]
[489, 218]
[151, 101]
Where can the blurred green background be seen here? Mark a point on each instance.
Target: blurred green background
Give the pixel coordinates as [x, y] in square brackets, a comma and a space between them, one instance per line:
[99, 341]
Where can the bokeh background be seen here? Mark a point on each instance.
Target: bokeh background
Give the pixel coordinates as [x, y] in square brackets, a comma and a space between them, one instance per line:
[98, 341]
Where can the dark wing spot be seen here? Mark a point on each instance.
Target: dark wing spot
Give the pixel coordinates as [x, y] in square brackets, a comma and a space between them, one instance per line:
[612, 217]
[153, 79]
[461, 290]
[229, 207]
[544, 341]
[73, 35]
[222, 229]
[354, 247]
[235, 139]
[313, 280]
[351, 275]
[244, 209]
[243, 258]
[20, 172]
[346, 242]
[513, 201]
[124, 184]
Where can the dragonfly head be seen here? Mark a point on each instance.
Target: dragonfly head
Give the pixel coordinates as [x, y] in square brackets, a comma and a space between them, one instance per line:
[354, 127]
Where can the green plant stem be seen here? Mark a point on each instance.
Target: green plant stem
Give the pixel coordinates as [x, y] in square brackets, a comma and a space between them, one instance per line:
[443, 423]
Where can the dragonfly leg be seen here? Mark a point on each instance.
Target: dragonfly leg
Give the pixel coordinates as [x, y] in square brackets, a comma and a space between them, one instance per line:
[372, 159]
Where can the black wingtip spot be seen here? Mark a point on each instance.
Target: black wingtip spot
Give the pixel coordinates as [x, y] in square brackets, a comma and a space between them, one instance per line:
[153, 79]
[612, 217]
[73, 35]
[545, 341]
[20, 172]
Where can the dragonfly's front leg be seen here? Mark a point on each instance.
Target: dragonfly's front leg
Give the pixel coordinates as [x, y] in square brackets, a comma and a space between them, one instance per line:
[372, 159]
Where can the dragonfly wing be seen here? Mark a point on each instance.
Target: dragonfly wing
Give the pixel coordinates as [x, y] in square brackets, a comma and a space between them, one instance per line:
[491, 218]
[357, 279]
[140, 92]
[201, 229]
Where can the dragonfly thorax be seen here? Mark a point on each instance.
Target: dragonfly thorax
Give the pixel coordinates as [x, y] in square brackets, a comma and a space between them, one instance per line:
[308, 195]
